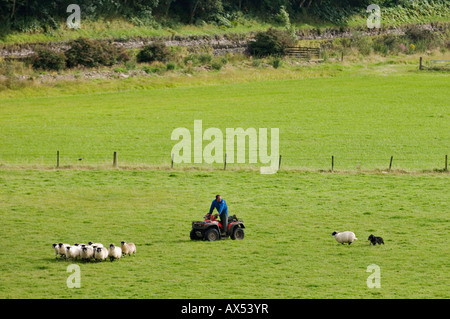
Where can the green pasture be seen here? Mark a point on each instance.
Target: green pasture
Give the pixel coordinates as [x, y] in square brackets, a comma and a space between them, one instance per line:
[361, 120]
[287, 252]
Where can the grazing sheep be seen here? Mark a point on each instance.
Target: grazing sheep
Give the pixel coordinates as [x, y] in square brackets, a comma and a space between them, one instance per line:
[73, 252]
[114, 252]
[128, 248]
[56, 248]
[101, 253]
[62, 249]
[95, 245]
[87, 252]
[376, 240]
[344, 237]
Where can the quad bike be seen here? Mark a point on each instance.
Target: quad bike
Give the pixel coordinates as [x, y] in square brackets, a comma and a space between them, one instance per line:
[211, 229]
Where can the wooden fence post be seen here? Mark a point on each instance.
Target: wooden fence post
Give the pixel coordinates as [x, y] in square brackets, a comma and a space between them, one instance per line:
[390, 163]
[57, 159]
[225, 163]
[446, 162]
[342, 56]
[332, 163]
[115, 164]
[420, 63]
[171, 165]
[279, 163]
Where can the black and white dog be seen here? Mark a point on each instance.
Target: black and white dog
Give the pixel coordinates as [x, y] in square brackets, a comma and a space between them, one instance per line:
[376, 240]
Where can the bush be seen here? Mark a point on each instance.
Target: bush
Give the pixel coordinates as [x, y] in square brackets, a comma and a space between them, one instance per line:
[217, 64]
[191, 59]
[423, 39]
[276, 63]
[156, 51]
[48, 60]
[256, 63]
[205, 58]
[92, 53]
[171, 66]
[417, 33]
[363, 44]
[381, 46]
[272, 42]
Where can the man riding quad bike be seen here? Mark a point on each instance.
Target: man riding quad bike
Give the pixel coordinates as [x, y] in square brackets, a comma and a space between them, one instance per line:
[211, 229]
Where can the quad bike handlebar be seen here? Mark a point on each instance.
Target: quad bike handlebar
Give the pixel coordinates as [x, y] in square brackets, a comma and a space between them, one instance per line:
[211, 216]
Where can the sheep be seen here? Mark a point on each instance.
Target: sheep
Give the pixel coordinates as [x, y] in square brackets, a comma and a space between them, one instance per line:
[114, 252]
[87, 252]
[95, 245]
[375, 240]
[101, 253]
[128, 248]
[62, 249]
[344, 237]
[56, 248]
[73, 252]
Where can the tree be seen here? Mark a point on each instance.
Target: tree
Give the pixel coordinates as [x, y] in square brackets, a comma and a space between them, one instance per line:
[272, 42]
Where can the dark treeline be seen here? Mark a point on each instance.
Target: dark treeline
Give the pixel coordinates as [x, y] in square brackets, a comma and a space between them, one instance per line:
[26, 15]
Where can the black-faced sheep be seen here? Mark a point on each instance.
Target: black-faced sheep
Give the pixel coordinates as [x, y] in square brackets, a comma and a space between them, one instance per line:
[114, 252]
[346, 237]
[128, 248]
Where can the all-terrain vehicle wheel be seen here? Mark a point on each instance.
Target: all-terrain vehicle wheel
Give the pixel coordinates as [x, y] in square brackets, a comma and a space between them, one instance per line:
[212, 234]
[237, 234]
[193, 235]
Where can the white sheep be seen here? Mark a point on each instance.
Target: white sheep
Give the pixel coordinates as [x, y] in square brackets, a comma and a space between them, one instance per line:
[95, 245]
[87, 252]
[114, 252]
[101, 253]
[73, 252]
[62, 249]
[344, 237]
[128, 248]
[56, 248]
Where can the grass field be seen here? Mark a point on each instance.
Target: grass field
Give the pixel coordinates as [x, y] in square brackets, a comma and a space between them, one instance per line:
[360, 119]
[288, 252]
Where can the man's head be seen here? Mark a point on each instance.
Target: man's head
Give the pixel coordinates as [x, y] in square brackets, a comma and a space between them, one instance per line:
[218, 198]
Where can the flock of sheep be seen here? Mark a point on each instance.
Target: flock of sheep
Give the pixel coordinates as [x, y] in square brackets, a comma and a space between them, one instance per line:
[93, 251]
[97, 252]
[348, 237]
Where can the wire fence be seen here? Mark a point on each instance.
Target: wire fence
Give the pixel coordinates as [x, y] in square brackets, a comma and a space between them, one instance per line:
[57, 159]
